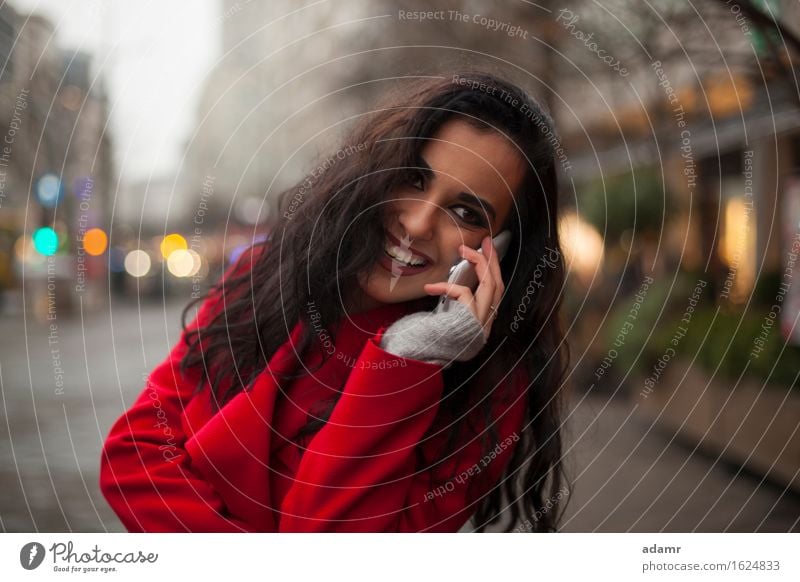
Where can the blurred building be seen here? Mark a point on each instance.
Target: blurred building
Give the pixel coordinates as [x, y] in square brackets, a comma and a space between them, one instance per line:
[56, 171]
[273, 101]
[687, 169]
[719, 119]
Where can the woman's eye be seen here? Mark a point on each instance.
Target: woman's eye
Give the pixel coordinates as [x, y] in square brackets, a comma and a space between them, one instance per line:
[469, 216]
[418, 182]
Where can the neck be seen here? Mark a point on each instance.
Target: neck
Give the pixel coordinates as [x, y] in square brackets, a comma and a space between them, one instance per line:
[360, 302]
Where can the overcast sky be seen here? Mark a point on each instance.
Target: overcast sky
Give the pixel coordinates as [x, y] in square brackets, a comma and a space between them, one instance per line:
[153, 57]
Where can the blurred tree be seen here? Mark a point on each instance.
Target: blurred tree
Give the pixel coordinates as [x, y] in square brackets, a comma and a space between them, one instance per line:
[637, 202]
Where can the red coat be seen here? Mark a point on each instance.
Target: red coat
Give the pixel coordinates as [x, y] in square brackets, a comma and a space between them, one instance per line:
[170, 464]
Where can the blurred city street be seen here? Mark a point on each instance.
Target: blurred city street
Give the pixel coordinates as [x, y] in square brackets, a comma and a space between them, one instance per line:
[50, 450]
[630, 477]
[145, 148]
[627, 476]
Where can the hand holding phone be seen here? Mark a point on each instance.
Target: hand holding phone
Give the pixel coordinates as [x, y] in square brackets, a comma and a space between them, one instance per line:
[463, 273]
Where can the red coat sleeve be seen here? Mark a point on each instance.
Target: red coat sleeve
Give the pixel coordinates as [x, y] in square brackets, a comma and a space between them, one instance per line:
[359, 472]
[144, 470]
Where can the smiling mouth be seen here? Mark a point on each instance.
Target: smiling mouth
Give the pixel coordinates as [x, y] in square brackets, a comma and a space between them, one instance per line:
[403, 256]
[401, 260]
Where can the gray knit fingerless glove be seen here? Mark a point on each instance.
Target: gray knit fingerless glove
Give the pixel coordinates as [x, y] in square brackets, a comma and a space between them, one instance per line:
[437, 338]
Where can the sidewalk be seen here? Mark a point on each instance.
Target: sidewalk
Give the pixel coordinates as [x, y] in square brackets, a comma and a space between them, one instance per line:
[630, 476]
[627, 476]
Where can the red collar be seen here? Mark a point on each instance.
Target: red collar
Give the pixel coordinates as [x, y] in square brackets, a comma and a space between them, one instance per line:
[371, 320]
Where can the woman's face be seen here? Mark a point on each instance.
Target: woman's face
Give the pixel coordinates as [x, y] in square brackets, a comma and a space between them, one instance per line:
[464, 196]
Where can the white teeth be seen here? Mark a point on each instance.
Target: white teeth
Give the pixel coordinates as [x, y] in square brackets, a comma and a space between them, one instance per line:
[403, 255]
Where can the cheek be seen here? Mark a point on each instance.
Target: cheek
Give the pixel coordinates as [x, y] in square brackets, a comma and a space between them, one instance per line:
[450, 253]
[438, 274]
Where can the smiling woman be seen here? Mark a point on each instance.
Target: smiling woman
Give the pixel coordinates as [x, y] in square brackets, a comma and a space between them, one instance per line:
[461, 190]
[316, 390]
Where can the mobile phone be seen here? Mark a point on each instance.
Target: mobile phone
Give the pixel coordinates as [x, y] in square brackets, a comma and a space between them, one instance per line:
[463, 273]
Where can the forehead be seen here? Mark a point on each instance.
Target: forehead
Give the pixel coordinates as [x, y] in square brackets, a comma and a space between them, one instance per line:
[485, 163]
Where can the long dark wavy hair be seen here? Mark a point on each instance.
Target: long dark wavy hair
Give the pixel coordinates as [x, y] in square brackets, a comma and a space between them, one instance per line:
[331, 228]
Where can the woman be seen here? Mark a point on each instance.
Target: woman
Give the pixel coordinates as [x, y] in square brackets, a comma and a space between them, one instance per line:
[317, 390]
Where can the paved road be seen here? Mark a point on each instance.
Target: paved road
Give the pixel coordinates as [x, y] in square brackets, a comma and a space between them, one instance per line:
[60, 405]
[627, 477]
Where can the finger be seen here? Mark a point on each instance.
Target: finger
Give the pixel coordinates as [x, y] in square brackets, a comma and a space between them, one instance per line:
[463, 295]
[494, 265]
[460, 293]
[484, 294]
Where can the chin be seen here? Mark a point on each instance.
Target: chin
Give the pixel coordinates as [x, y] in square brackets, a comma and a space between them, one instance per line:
[378, 287]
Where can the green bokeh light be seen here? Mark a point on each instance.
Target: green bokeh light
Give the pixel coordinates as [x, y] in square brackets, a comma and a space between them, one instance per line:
[45, 241]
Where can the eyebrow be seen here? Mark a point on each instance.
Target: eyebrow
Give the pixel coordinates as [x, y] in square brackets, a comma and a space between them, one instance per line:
[463, 196]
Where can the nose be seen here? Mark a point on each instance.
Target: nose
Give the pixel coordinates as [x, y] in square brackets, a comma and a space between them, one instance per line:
[418, 218]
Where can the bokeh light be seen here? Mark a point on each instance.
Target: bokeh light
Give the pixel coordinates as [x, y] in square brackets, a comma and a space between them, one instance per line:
[49, 190]
[181, 263]
[236, 252]
[239, 244]
[251, 210]
[171, 243]
[82, 186]
[197, 263]
[582, 245]
[25, 252]
[95, 242]
[45, 241]
[137, 263]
